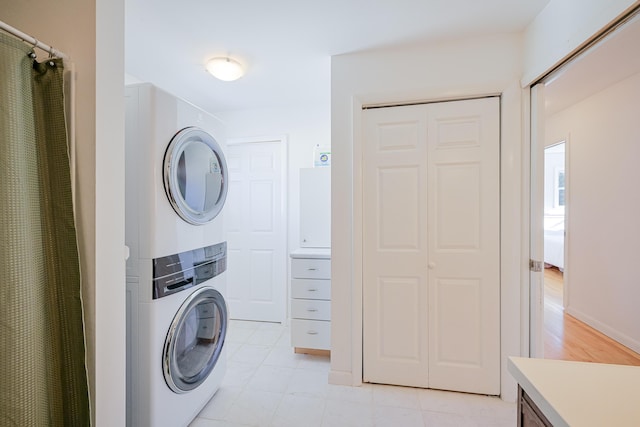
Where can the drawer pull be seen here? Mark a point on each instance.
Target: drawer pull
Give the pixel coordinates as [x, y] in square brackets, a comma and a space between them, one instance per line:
[311, 269]
[312, 332]
[312, 290]
[312, 309]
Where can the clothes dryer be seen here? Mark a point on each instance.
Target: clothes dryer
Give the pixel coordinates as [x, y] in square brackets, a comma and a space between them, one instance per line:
[176, 175]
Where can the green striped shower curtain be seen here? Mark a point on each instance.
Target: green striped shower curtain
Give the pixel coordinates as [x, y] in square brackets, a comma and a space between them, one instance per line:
[43, 380]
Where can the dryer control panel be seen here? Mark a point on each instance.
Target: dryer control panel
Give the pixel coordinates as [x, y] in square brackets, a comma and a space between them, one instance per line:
[175, 273]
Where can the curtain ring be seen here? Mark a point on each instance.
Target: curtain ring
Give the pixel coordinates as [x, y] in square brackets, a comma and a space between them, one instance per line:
[51, 57]
[32, 53]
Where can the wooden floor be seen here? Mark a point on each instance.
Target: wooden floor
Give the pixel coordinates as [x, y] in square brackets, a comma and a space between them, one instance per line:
[567, 338]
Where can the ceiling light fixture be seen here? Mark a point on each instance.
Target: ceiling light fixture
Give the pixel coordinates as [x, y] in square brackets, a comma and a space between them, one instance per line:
[225, 68]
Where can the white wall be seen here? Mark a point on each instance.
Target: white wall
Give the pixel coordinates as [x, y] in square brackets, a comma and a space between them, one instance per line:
[603, 208]
[110, 296]
[304, 126]
[562, 28]
[481, 66]
[92, 34]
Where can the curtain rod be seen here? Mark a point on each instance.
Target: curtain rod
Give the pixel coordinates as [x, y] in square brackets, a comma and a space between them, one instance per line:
[32, 40]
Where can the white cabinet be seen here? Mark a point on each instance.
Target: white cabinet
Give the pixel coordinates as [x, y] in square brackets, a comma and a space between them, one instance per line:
[311, 299]
[310, 334]
[310, 268]
[311, 264]
[311, 289]
[315, 207]
[310, 309]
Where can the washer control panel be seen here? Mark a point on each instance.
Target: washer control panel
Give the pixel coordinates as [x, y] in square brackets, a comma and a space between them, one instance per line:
[175, 273]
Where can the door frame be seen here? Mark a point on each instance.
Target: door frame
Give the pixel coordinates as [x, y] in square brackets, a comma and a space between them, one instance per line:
[283, 142]
[346, 330]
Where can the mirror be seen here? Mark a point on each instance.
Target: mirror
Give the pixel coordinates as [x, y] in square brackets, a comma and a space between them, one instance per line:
[195, 176]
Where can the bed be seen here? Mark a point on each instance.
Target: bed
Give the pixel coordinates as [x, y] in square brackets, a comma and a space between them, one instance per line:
[554, 240]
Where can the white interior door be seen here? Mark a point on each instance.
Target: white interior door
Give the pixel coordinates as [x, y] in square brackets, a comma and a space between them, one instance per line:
[395, 306]
[431, 246]
[255, 223]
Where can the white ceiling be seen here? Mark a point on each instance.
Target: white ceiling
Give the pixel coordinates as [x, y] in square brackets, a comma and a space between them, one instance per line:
[286, 45]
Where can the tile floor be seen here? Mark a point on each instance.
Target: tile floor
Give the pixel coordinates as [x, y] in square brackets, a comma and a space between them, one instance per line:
[267, 384]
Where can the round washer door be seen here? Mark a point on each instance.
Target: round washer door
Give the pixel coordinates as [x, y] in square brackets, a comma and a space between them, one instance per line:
[195, 176]
[195, 339]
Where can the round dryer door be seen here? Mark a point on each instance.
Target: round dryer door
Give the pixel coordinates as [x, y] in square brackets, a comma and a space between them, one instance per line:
[195, 339]
[195, 176]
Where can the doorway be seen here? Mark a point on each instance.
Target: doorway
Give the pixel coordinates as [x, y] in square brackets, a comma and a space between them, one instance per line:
[555, 200]
[592, 98]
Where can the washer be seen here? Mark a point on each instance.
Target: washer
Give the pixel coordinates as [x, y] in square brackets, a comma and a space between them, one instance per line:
[176, 186]
[176, 363]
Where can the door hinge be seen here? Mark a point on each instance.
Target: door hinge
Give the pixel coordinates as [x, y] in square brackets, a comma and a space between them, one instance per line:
[535, 266]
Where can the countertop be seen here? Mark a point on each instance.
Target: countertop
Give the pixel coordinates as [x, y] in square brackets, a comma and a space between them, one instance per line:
[320, 253]
[580, 394]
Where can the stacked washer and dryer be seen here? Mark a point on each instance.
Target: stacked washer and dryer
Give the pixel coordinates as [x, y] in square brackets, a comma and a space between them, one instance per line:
[176, 186]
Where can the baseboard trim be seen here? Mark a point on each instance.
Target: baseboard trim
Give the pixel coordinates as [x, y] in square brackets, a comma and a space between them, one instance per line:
[605, 329]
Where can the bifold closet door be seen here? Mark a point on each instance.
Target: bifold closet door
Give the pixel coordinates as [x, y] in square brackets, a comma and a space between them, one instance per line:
[431, 291]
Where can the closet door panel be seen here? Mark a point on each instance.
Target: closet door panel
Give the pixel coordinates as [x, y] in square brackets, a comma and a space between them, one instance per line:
[431, 246]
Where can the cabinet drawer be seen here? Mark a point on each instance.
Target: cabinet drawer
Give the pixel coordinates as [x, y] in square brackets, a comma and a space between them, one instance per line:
[311, 289]
[310, 309]
[310, 268]
[311, 334]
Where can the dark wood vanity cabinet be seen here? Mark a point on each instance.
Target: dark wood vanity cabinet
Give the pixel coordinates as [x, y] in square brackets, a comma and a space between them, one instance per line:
[528, 413]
